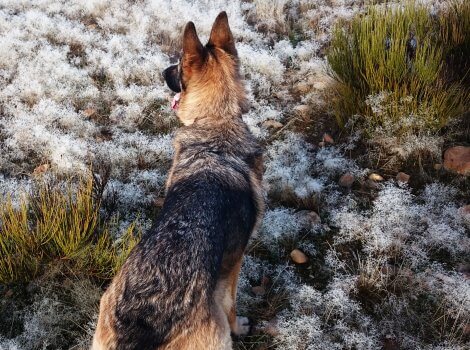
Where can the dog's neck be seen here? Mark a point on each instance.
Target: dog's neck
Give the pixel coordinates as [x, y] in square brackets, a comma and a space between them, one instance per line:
[220, 97]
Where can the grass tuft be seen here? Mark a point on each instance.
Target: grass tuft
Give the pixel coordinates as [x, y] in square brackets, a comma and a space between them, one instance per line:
[59, 223]
[400, 52]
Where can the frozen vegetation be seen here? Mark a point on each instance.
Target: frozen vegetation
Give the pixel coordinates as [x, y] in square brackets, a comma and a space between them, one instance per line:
[81, 89]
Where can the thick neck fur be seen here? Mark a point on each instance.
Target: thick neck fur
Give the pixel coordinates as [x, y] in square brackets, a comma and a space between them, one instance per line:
[215, 92]
[225, 136]
[200, 146]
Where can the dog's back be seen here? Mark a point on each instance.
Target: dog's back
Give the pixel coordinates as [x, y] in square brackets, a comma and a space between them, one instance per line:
[177, 288]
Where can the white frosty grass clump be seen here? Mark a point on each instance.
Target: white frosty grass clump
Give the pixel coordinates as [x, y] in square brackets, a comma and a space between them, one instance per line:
[264, 67]
[60, 60]
[400, 223]
[406, 242]
[282, 222]
[282, 280]
[257, 115]
[325, 320]
[58, 312]
[288, 165]
[9, 186]
[414, 130]
[293, 166]
[330, 161]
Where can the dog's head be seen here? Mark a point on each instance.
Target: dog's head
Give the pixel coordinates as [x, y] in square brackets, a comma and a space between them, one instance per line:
[207, 81]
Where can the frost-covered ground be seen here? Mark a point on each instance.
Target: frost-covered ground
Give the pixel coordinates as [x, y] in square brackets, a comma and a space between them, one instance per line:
[80, 84]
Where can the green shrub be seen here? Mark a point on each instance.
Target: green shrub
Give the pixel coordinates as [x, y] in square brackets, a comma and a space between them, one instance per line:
[398, 55]
[53, 224]
[455, 33]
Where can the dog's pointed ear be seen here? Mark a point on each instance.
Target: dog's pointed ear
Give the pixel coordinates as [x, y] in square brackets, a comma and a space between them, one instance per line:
[193, 51]
[221, 35]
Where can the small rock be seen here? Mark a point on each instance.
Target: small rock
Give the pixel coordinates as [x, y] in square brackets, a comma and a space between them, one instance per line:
[466, 330]
[465, 210]
[375, 177]
[328, 139]
[302, 87]
[457, 159]
[298, 256]
[437, 166]
[41, 169]
[320, 85]
[403, 177]
[258, 290]
[346, 180]
[308, 216]
[302, 110]
[321, 144]
[464, 269]
[89, 112]
[272, 124]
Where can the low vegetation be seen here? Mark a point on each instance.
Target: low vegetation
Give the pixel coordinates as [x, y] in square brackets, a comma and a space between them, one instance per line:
[393, 66]
[59, 223]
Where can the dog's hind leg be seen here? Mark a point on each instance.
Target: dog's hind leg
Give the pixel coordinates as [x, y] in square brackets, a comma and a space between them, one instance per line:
[227, 295]
[104, 337]
[209, 334]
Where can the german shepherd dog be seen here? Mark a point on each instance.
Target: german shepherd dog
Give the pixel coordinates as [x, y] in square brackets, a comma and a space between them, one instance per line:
[177, 290]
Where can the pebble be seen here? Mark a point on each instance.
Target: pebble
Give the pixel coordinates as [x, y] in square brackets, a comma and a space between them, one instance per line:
[302, 110]
[403, 177]
[328, 139]
[258, 290]
[308, 216]
[41, 169]
[376, 177]
[465, 210]
[302, 87]
[272, 124]
[89, 112]
[457, 159]
[298, 256]
[346, 180]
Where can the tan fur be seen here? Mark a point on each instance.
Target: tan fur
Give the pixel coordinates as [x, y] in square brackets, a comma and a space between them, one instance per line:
[230, 295]
[104, 337]
[212, 334]
[203, 98]
[256, 181]
[187, 167]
